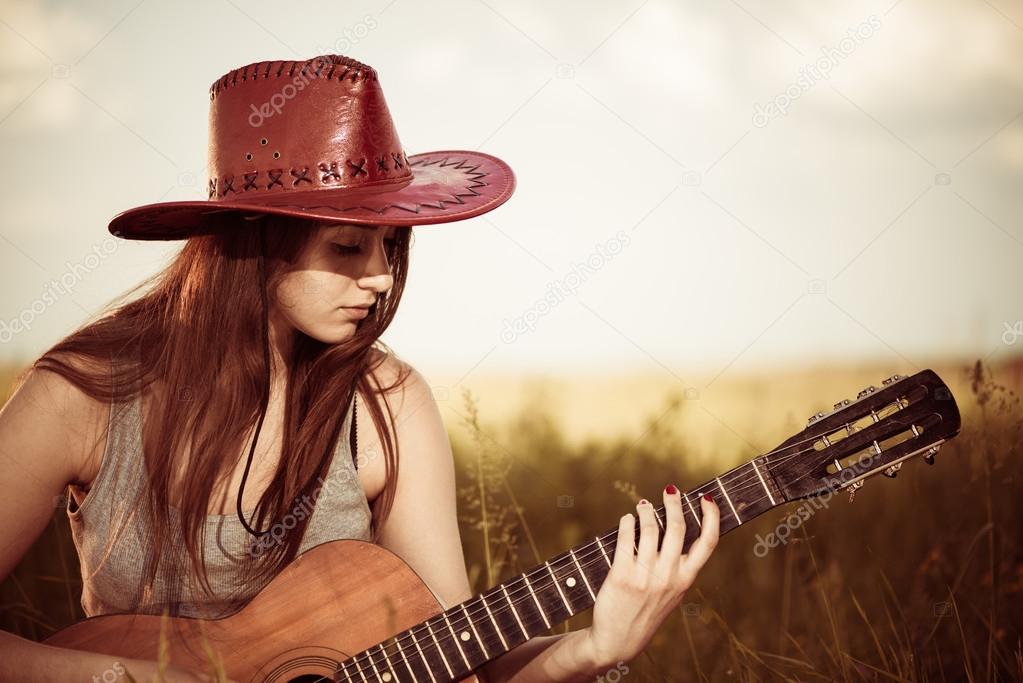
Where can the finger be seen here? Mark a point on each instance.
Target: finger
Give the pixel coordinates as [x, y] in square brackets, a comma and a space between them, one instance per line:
[648, 533]
[701, 548]
[625, 546]
[674, 527]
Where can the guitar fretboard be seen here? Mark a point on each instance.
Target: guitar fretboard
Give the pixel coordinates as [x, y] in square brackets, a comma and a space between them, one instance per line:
[452, 644]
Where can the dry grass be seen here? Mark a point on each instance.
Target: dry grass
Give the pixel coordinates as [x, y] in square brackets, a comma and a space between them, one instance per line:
[920, 579]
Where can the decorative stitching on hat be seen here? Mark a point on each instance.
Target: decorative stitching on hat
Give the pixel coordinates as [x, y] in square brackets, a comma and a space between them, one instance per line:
[300, 176]
[332, 174]
[475, 181]
[361, 71]
[359, 168]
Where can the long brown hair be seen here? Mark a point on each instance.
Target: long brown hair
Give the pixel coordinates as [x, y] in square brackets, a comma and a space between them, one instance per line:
[198, 329]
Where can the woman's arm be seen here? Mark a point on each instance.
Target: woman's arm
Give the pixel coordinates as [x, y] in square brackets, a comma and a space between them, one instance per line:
[422, 527]
[49, 431]
[642, 587]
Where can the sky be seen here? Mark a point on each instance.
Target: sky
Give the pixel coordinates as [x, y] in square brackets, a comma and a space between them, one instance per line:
[722, 187]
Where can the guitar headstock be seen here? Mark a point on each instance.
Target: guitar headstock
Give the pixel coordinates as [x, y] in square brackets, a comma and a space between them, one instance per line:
[873, 434]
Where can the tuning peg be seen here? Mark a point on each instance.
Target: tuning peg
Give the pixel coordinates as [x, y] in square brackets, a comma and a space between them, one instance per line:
[869, 390]
[893, 470]
[842, 404]
[929, 455]
[893, 378]
[814, 418]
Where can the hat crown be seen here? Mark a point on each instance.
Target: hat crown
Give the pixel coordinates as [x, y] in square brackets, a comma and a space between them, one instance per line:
[282, 126]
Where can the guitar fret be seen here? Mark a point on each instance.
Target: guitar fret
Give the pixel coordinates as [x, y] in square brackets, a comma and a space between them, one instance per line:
[558, 586]
[538, 605]
[582, 573]
[374, 665]
[725, 493]
[390, 666]
[497, 628]
[422, 655]
[762, 482]
[604, 552]
[508, 598]
[405, 659]
[458, 642]
[472, 625]
[439, 649]
[358, 667]
[693, 510]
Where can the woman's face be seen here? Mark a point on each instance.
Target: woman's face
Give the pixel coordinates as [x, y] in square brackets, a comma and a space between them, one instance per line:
[336, 277]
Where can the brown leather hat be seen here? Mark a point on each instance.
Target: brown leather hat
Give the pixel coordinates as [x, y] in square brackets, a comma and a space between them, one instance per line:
[315, 139]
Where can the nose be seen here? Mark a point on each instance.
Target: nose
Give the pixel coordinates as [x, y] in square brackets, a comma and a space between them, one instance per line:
[378, 276]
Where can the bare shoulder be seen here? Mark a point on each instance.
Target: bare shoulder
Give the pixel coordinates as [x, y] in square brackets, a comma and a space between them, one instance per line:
[404, 386]
[47, 430]
[62, 421]
[416, 418]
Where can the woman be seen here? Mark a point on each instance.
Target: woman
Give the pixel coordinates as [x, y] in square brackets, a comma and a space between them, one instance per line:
[267, 324]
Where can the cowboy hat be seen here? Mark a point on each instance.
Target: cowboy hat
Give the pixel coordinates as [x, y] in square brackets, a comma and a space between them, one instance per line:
[315, 139]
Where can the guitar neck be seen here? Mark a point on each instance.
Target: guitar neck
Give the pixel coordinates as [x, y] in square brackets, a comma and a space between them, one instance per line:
[455, 642]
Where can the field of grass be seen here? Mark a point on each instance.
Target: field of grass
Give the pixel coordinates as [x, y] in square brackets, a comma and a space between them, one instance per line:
[919, 579]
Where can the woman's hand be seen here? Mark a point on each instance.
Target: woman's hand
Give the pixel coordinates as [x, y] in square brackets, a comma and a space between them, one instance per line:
[643, 586]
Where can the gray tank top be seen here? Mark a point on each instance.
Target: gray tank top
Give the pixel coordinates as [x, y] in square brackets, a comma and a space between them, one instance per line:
[112, 567]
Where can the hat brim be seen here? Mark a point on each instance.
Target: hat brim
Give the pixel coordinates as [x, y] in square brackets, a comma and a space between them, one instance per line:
[449, 185]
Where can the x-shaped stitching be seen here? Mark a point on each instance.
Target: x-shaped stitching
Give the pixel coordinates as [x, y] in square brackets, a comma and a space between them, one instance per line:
[330, 172]
[359, 168]
[275, 177]
[299, 177]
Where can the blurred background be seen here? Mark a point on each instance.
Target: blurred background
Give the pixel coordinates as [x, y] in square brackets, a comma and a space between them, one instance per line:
[727, 218]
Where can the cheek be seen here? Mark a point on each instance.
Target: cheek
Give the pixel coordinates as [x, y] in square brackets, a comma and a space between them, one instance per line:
[306, 292]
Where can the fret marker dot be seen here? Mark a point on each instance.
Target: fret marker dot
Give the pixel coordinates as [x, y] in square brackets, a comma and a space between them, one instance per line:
[464, 635]
[386, 675]
[570, 581]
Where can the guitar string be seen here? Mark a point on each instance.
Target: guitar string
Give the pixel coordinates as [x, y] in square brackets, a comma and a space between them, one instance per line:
[585, 558]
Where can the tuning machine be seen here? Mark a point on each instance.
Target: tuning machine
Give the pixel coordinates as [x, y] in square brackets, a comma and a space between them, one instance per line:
[853, 488]
[842, 404]
[929, 455]
[814, 418]
[892, 471]
[869, 390]
[890, 380]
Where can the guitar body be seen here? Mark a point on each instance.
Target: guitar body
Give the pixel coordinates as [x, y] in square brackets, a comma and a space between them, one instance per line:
[334, 600]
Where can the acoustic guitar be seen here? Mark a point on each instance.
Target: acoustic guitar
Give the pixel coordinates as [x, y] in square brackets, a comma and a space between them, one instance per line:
[350, 610]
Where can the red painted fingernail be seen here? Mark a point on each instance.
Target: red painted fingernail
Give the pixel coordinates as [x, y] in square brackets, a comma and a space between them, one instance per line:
[670, 488]
[707, 497]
